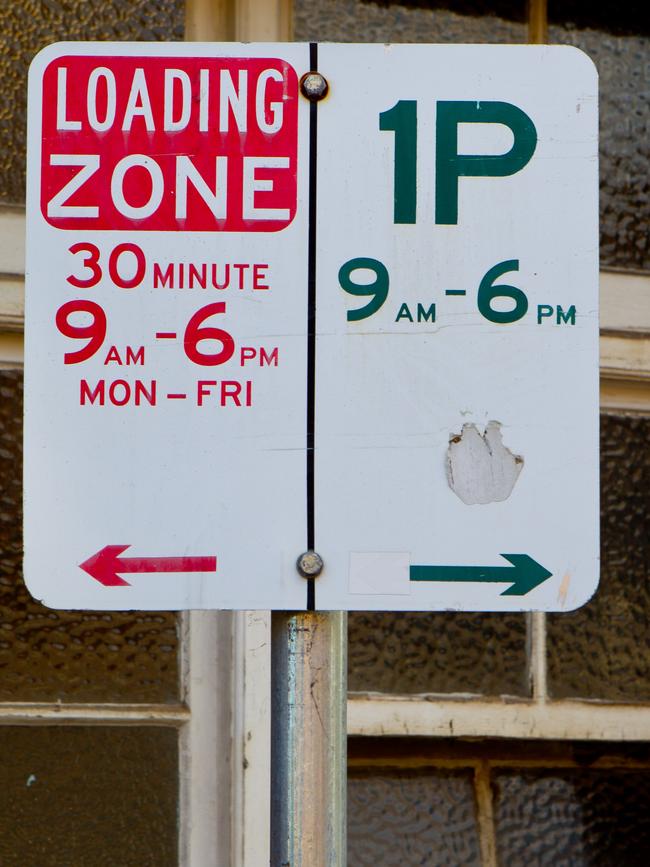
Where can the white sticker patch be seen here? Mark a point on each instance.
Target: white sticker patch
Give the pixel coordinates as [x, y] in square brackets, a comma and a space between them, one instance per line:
[381, 572]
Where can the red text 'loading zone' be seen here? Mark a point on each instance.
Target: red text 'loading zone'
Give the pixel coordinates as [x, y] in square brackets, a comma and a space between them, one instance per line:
[169, 144]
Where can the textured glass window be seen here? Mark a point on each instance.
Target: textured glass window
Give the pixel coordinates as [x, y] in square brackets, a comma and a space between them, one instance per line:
[443, 652]
[623, 61]
[28, 25]
[603, 650]
[399, 818]
[571, 818]
[48, 655]
[364, 21]
[88, 797]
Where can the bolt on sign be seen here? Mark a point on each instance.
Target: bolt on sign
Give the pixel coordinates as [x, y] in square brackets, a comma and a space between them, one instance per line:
[352, 312]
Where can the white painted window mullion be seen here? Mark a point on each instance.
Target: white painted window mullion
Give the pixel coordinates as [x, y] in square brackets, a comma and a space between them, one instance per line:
[251, 741]
[204, 747]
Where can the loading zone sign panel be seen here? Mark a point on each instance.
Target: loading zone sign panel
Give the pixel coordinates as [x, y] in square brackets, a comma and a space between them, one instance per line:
[263, 318]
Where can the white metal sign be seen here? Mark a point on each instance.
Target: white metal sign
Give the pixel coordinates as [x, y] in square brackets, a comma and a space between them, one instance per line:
[365, 324]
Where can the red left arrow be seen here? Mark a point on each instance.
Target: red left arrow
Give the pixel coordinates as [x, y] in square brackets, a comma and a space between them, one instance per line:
[105, 565]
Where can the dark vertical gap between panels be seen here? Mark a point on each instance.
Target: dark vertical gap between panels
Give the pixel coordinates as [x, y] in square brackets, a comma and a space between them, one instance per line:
[311, 325]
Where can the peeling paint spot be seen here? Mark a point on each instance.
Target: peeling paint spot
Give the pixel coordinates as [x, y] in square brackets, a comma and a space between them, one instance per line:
[480, 469]
[563, 590]
[31, 779]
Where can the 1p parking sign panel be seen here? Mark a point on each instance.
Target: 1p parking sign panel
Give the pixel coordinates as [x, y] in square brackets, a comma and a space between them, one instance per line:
[457, 425]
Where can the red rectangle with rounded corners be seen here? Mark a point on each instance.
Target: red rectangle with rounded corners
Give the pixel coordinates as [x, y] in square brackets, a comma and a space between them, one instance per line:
[169, 144]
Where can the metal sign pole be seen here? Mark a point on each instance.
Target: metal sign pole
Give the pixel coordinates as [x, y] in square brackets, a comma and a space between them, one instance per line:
[308, 739]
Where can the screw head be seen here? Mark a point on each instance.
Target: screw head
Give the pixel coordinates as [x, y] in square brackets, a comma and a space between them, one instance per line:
[314, 86]
[309, 564]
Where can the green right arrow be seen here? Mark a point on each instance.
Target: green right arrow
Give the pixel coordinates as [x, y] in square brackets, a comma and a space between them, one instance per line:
[524, 575]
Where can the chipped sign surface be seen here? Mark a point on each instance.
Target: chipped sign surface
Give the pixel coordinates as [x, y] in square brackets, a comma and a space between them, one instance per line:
[366, 325]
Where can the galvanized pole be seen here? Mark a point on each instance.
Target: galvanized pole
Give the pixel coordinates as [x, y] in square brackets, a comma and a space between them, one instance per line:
[308, 739]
